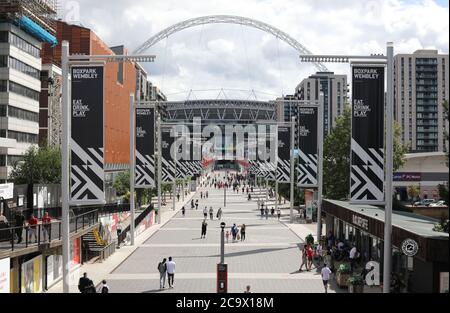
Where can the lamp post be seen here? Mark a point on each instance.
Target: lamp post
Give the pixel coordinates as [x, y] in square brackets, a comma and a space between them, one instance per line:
[222, 268]
[222, 243]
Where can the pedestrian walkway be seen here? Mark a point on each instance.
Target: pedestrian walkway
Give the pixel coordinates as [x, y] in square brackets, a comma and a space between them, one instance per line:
[99, 271]
[268, 259]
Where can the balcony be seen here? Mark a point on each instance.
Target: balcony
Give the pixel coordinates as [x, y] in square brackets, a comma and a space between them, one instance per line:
[423, 69]
[426, 95]
[426, 82]
[432, 61]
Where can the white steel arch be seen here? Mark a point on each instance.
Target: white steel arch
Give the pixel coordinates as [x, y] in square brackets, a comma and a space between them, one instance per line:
[228, 19]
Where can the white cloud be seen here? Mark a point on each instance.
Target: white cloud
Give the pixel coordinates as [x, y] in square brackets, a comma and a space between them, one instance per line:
[233, 56]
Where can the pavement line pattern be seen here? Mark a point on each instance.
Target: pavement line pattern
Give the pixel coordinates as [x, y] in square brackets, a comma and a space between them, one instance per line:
[268, 259]
[296, 276]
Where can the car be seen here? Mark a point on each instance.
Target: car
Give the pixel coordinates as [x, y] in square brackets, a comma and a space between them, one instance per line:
[438, 203]
[424, 202]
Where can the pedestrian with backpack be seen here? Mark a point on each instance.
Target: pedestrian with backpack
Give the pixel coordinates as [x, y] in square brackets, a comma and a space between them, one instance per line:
[162, 269]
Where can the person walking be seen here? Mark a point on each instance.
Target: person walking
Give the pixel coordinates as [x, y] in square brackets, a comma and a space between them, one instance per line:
[267, 212]
[196, 204]
[201, 194]
[32, 224]
[325, 272]
[119, 231]
[162, 269]
[84, 284]
[227, 235]
[20, 221]
[219, 213]
[205, 212]
[243, 228]
[104, 288]
[204, 228]
[46, 226]
[278, 213]
[170, 272]
[353, 256]
[272, 211]
[304, 259]
[247, 289]
[207, 194]
[183, 210]
[211, 213]
[310, 254]
[192, 204]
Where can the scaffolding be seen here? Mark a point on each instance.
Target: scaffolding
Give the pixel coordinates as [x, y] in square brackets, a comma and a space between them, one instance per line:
[42, 12]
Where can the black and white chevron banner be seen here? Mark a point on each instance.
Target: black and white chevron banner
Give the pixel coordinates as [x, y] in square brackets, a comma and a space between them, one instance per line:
[284, 171]
[307, 121]
[168, 173]
[144, 171]
[307, 170]
[367, 178]
[284, 155]
[367, 144]
[86, 144]
[145, 148]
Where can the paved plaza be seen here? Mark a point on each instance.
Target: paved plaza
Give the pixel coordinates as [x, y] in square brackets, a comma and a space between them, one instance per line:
[268, 259]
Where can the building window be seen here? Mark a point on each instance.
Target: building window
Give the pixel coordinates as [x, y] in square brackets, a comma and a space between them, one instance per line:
[7, 61]
[20, 43]
[13, 159]
[18, 89]
[23, 137]
[19, 113]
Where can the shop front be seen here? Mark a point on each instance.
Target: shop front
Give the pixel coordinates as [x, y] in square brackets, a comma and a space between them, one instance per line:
[419, 270]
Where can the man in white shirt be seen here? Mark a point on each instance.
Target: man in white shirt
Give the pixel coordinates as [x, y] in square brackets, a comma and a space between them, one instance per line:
[170, 271]
[353, 256]
[326, 272]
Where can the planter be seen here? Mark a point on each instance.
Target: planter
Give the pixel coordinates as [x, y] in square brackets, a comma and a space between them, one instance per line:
[355, 288]
[341, 279]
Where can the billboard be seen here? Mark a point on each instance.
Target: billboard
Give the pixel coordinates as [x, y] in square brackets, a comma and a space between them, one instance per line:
[308, 147]
[284, 155]
[367, 143]
[167, 161]
[31, 281]
[87, 169]
[145, 148]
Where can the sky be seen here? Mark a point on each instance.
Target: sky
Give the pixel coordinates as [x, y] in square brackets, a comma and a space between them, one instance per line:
[239, 59]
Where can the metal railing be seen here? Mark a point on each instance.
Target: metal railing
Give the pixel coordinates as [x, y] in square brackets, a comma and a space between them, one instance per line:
[20, 237]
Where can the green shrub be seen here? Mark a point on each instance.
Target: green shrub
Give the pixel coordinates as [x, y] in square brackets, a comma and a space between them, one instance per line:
[344, 269]
[356, 280]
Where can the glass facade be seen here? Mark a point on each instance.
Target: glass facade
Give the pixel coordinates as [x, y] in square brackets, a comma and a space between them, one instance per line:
[9, 86]
[18, 42]
[427, 104]
[18, 113]
[8, 61]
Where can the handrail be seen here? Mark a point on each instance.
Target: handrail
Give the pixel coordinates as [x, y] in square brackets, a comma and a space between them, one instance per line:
[42, 232]
[137, 221]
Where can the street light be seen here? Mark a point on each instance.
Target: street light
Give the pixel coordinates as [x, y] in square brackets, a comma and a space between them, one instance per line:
[222, 243]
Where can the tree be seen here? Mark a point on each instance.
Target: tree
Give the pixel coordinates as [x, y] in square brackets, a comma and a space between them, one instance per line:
[413, 192]
[336, 156]
[40, 165]
[122, 183]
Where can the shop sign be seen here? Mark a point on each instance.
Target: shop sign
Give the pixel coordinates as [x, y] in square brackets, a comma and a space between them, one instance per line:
[361, 222]
[410, 247]
[407, 176]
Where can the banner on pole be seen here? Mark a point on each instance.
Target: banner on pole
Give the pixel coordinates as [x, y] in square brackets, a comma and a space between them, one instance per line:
[167, 161]
[87, 167]
[145, 148]
[307, 146]
[367, 144]
[284, 155]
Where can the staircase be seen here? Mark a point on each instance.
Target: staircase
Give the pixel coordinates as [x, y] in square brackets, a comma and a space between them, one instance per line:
[95, 247]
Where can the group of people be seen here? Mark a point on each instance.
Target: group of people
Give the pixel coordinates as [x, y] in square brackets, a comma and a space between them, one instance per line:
[86, 285]
[236, 233]
[166, 268]
[265, 211]
[30, 225]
